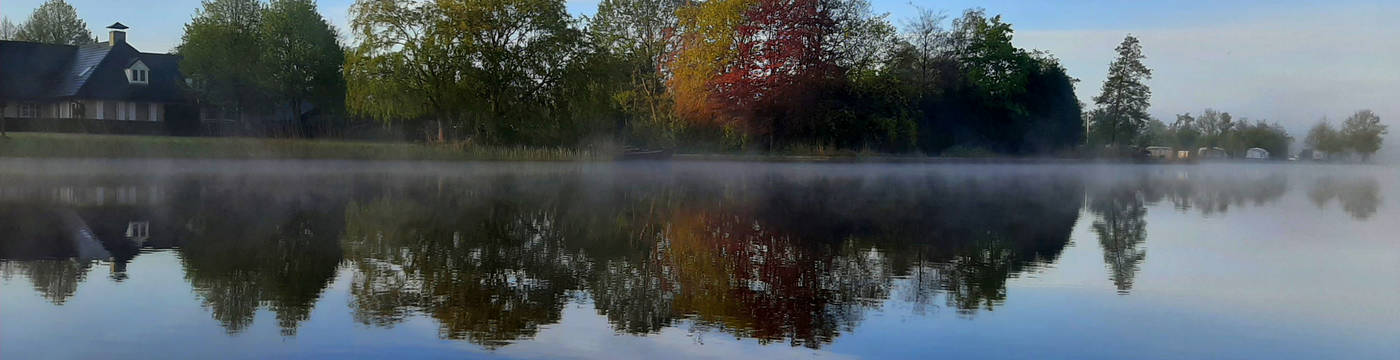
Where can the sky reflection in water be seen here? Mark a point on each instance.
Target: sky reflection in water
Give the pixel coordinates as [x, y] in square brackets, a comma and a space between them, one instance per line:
[698, 260]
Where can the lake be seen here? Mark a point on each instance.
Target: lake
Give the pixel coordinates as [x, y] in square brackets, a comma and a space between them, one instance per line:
[267, 259]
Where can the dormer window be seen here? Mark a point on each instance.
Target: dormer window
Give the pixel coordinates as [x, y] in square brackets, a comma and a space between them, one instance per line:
[138, 73]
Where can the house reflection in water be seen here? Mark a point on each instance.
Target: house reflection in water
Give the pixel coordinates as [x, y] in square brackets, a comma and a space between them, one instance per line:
[782, 257]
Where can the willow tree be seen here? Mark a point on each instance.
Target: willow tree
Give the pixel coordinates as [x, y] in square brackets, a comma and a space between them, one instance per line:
[406, 65]
[54, 22]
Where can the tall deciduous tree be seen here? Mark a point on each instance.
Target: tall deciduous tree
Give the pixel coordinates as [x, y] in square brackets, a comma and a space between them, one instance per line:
[8, 30]
[1362, 132]
[1125, 97]
[54, 22]
[485, 66]
[221, 50]
[303, 58]
[406, 66]
[636, 33]
[706, 44]
[1323, 137]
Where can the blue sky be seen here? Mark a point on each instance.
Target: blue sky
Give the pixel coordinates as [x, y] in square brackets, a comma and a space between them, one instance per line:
[1289, 61]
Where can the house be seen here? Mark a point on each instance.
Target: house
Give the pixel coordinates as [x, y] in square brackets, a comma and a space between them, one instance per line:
[98, 87]
[1159, 152]
[1256, 153]
[1206, 153]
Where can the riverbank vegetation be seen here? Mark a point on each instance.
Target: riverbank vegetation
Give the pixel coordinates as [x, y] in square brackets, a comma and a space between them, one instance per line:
[717, 76]
[49, 145]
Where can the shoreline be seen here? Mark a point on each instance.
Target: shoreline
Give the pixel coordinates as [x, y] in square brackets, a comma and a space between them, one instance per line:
[83, 147]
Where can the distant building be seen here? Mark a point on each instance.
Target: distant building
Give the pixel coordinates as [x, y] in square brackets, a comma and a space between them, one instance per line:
[1211, 153]
[1159, 152]
[1256, 153]
[98, 87]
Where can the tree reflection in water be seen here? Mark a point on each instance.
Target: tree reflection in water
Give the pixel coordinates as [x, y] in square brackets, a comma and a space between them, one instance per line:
[775, 259]
[1120, 209]
[783, 257]
[1359, 197]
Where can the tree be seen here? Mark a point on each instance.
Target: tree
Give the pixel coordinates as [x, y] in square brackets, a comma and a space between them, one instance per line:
[221, 50]
[54, 22]
[1215, 127]
[1185, 134]
[405, 66]
[928, 40]
[705, 44]
[1125, 97]
[8, 30]
[1323, 137]
[303, 58]
[1362, 132]
[636, 33]
[483, 66]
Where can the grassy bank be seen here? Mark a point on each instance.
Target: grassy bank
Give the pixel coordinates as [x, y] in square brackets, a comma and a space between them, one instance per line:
[51, 145]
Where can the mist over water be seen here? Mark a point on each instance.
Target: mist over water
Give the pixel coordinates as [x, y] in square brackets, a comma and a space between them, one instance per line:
[248, 259]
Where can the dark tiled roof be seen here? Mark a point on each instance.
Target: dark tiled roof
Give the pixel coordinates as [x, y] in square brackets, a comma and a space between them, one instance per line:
[84, 64]
[28, 71]
[32, 71]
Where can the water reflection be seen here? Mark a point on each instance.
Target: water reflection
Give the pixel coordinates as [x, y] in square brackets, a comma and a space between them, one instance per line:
[1359, 197]
[782, 257]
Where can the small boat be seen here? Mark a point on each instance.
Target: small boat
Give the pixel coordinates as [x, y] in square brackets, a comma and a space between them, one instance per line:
[640, 154]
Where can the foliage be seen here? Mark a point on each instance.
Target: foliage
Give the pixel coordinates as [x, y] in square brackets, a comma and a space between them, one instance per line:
[1362, 132]
[54, 22]
[1323, 137]
[481, 67]
[8, 29]
[1125, 97]
[220, 43]
[302, 57]
[974, 88]
[635, 35]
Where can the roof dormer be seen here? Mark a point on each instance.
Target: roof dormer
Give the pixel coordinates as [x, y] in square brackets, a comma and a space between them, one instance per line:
[138, 73]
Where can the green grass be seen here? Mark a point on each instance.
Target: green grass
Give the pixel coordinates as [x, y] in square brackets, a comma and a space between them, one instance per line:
[52, 145]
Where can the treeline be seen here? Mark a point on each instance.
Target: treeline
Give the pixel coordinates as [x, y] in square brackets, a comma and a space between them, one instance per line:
[1361, 134]
[726, 74]
[1216, 129]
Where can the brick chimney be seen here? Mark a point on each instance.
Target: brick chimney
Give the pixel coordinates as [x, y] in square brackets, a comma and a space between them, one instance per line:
[118, 34]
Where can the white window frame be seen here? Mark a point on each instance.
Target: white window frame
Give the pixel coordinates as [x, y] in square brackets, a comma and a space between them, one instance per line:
[28, 110]
[138, 73]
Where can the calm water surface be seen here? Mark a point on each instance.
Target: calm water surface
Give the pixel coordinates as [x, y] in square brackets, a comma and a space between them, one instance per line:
[176, 259]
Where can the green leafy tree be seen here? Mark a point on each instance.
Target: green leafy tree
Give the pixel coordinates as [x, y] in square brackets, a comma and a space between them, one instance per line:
[1125, 97]
[54, 22]
[482, 66]
[405, 66]
[1215, 127]
[221, 49]
[1185, 133]
[1323, 137]
[303, 58]
[1362, 133]
[636, 34]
